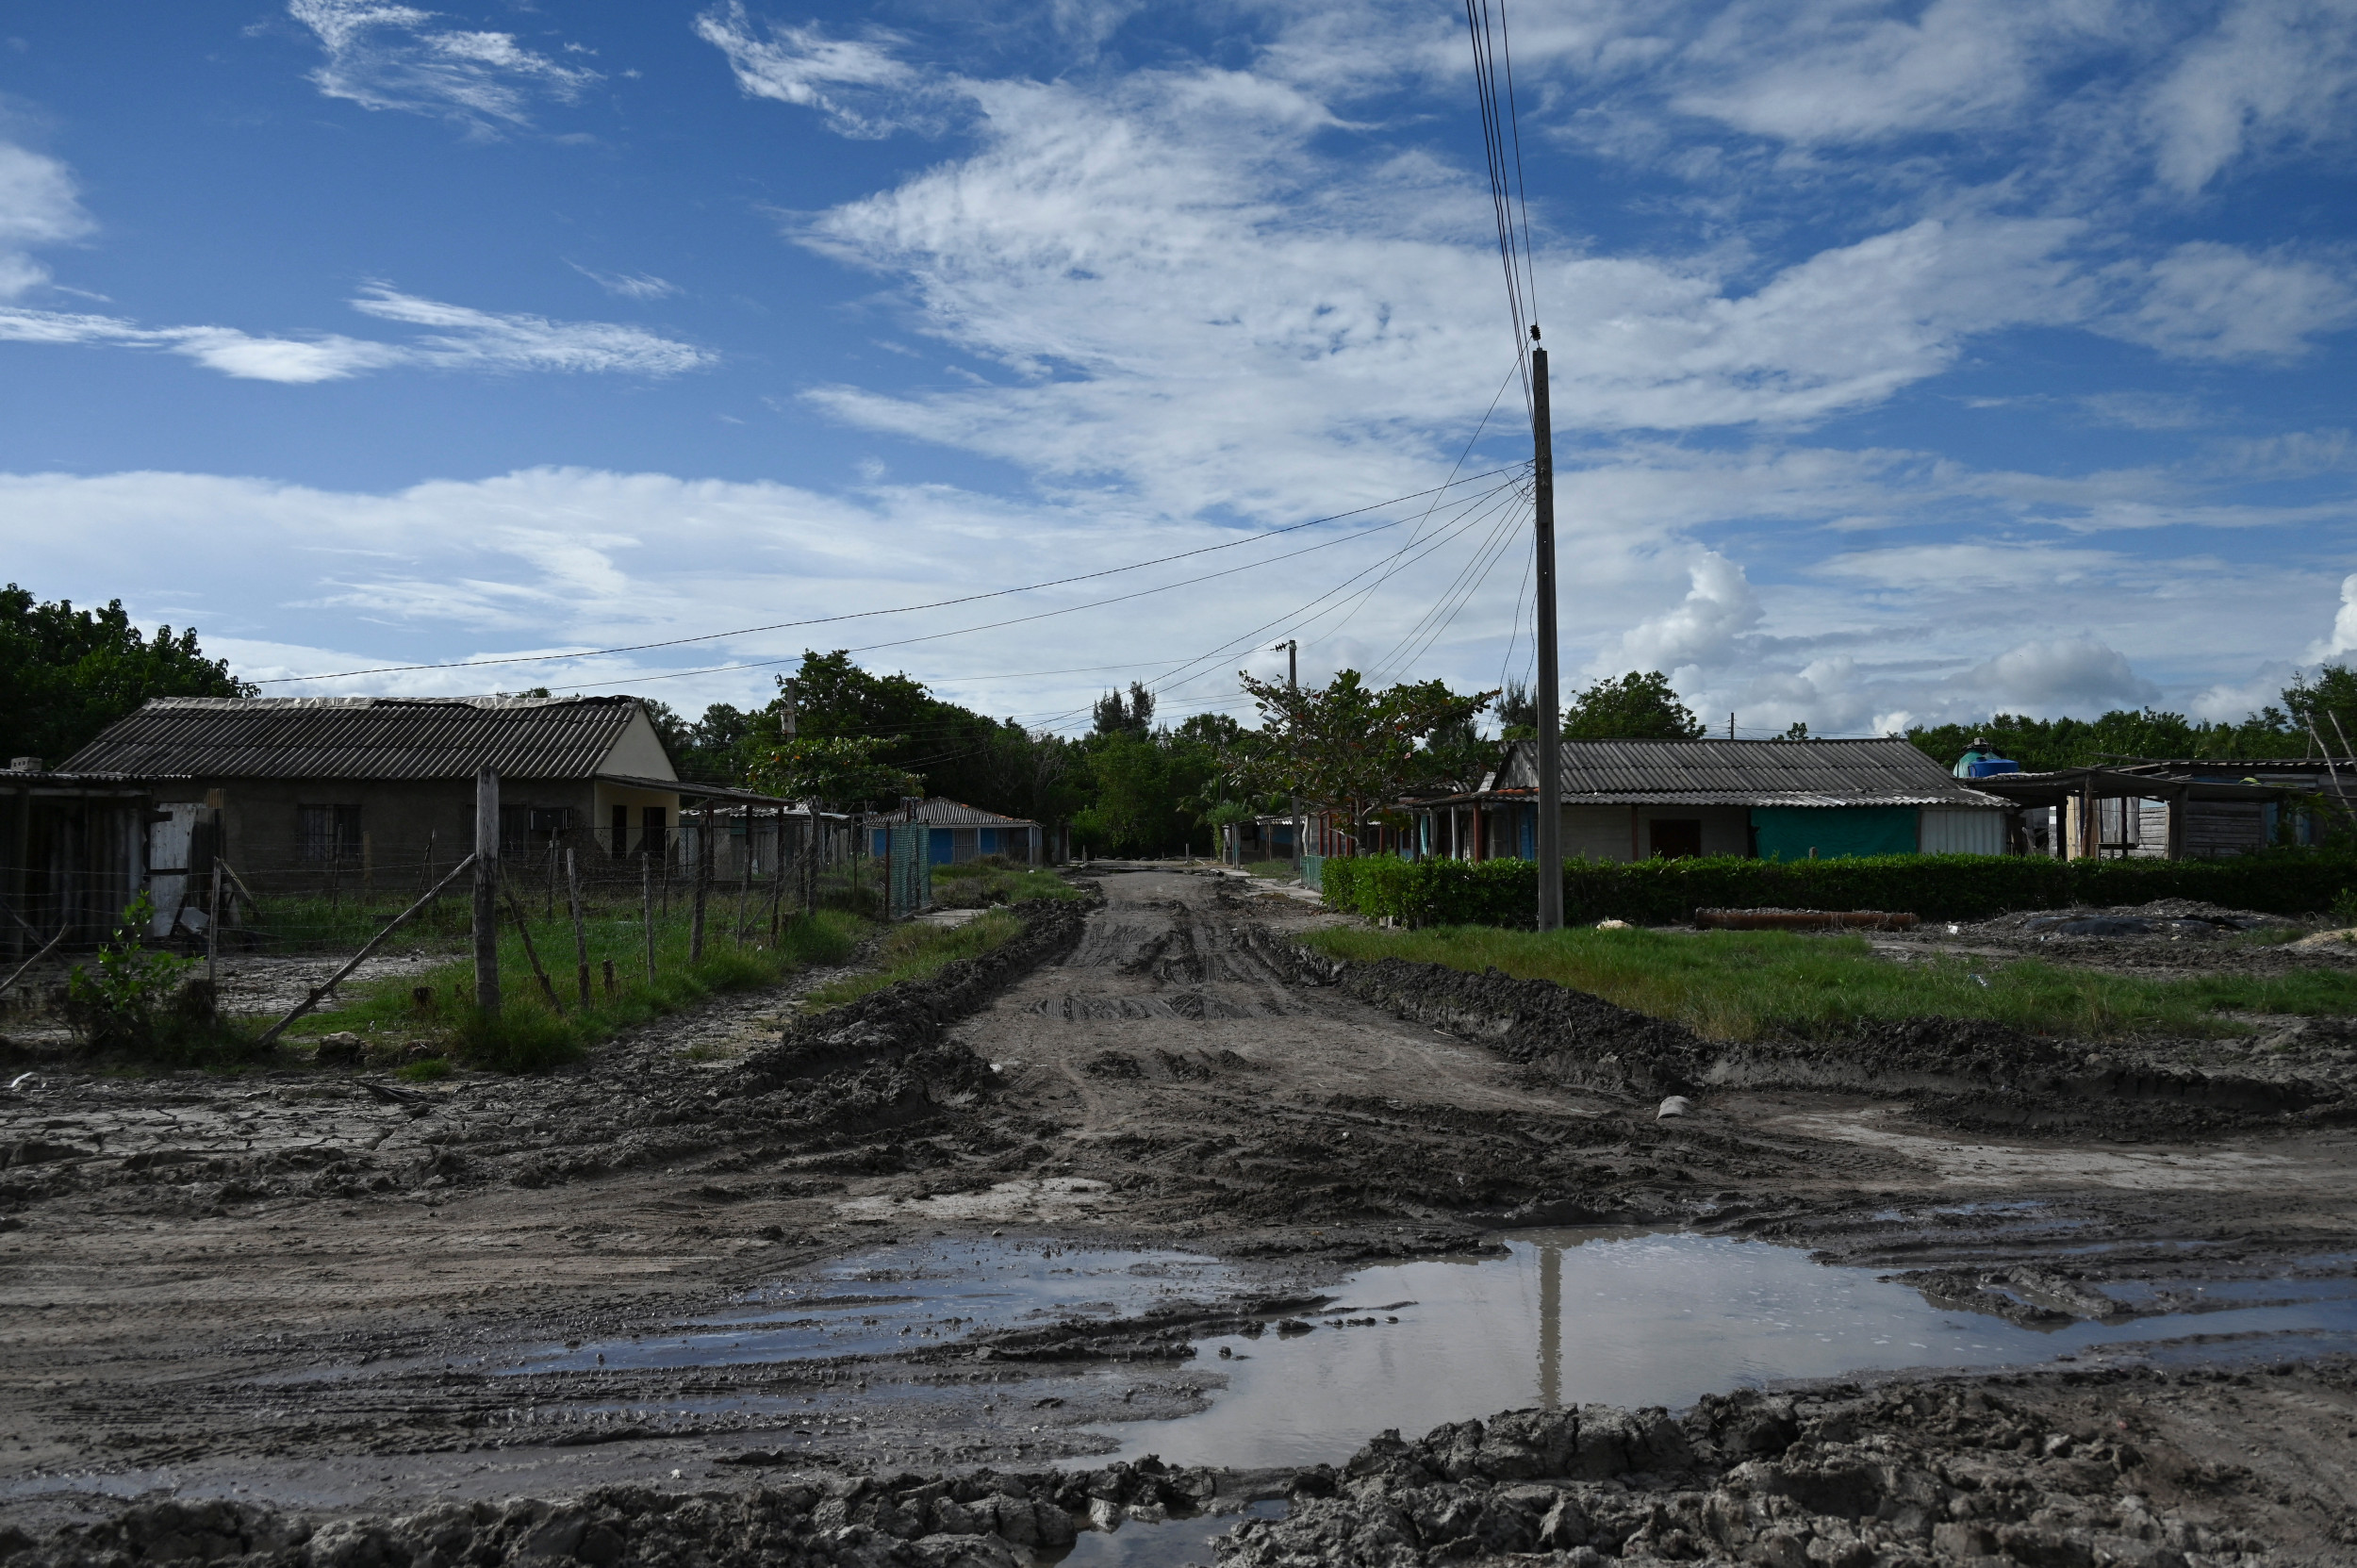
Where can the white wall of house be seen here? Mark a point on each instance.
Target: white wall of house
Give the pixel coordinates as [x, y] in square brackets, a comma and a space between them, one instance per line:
[1625, 833]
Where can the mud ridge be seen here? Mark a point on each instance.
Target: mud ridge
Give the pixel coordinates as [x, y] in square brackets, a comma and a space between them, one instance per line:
[1964, 1072]
[910, 1016]
[2118, 1465]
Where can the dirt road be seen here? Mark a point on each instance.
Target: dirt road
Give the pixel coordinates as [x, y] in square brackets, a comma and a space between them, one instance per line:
[336, 1291]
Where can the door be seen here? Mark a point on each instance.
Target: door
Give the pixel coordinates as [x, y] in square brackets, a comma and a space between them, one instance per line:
[171, 844]
[1676, 837]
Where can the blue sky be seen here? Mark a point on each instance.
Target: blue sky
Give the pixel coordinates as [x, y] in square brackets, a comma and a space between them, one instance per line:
[1910, 361]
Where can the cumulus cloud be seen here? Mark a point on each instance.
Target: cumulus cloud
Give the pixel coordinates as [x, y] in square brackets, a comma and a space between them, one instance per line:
[2062, 675]
[38, 207]
[395, 57]
[465, 339]
[1702, 631]
[2210, 301]
[860, 85]
[2343, 637]
[2273, 71]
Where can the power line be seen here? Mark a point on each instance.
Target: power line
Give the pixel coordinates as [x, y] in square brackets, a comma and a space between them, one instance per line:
[904, 609]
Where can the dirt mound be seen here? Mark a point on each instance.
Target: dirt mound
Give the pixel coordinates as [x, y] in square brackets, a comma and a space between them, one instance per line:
[1970, 1073]
[1944, 1472]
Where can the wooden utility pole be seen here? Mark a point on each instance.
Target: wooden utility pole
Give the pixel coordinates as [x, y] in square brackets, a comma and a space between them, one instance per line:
[487, 890]
[1293, 684]
[1548, 840]
[702, 875]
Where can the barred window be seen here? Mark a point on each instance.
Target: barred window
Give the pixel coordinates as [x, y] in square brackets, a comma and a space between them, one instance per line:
[325, 835]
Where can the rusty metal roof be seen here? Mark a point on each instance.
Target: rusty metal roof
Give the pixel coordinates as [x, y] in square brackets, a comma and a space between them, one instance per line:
[1743, 773]
[361, 738]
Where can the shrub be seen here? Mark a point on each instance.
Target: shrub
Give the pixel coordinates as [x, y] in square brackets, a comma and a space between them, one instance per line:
[1938, 887]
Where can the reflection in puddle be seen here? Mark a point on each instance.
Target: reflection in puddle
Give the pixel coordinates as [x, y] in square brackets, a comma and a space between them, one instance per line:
[1575, 1316]
[1172, 1544]
[904, 1297]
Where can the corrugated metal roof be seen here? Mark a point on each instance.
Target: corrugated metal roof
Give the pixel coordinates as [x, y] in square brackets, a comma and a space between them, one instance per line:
[361, 738]
[1744, 774]
[942, 812]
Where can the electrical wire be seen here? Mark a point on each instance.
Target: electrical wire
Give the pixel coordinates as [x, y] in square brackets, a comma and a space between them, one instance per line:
[904, 609]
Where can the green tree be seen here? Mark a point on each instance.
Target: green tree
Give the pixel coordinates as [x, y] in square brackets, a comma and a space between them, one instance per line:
[66, 674]
[1640, 706]
[842, 772]
[1346, 747]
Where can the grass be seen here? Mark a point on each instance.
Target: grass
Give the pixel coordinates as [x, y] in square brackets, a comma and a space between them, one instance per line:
[1268, 868]
[980, 883]
[1749, 986]
[529, 1035]
[916, 951]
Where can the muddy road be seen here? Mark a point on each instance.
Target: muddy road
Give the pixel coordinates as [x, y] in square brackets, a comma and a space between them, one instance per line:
[1089, 1187]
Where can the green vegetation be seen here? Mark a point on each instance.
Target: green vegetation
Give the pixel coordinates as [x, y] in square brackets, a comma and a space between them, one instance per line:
[994, 879]
[1938, 887]
[133, 1001]
[2328, 701]
[528, 1034]
[1267, 867]
[69, 673]
[916, 951]
[1752, 985]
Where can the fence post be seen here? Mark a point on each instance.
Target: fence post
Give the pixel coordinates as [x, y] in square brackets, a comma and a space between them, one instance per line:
[702, 875]
[487, 894]
[581, 932]
[645, 903]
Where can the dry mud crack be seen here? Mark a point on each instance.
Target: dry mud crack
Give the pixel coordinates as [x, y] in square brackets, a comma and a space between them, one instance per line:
[292, 1317]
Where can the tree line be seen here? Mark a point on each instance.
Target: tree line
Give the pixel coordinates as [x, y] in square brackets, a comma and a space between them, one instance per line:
[857, 739]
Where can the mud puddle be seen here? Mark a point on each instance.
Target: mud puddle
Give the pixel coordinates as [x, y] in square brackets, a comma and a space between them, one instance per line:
[907, 1297]
[1582, 1316]
[1174, 1543]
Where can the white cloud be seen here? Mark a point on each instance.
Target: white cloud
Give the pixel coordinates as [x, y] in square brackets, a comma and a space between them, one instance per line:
[37, 207]
[2061, 675]
[1844, 72]
[468, 340]
[1701, 632]
[2273, 70]
[2343, 637]
[861, 87]
[392, 56]
[2210, 301]
[629, 286]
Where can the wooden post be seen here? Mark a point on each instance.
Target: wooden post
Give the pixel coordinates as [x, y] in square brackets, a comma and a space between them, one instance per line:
[532, 954]
[646, 904]
[486, 896]
[212, 914]
[702, 876]
[320, 992]
[745, 876]
[581, 930]
[777, 877]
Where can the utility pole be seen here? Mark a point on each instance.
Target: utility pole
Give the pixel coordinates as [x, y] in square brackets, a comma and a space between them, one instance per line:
[1293, 684]
[1548, 840]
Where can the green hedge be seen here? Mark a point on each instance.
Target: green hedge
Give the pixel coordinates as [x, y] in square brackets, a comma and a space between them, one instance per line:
[1938, 887]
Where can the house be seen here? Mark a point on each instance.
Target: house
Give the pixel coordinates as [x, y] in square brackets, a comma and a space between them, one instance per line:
[383, 788]
[1770, 799]
[77, 852]
[962, 833]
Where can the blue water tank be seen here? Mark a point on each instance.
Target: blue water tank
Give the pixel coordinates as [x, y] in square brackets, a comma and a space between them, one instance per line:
[1981, 760]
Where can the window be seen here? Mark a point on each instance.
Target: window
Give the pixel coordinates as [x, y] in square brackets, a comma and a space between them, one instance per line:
[327, 834]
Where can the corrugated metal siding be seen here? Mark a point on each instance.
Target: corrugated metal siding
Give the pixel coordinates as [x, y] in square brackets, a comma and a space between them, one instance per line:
[1962, 831]
[941, 812]
[1746, 772]
[362, 738]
